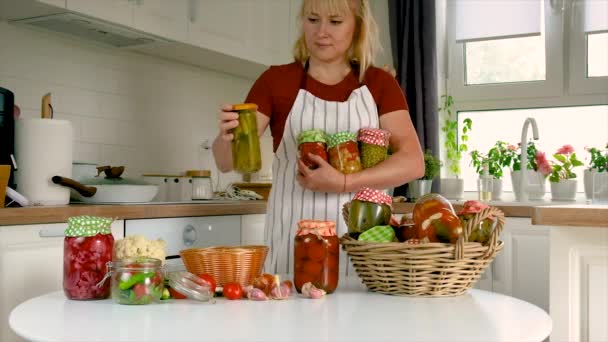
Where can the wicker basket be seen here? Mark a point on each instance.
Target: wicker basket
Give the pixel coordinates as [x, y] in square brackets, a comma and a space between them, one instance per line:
[226, 264]
[425, 270]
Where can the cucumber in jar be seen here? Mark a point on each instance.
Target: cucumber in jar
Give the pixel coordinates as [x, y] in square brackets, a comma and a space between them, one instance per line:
[246, 155]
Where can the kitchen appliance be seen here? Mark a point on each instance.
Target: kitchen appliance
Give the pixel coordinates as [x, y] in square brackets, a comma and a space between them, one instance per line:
[109, 190]
[7, 130]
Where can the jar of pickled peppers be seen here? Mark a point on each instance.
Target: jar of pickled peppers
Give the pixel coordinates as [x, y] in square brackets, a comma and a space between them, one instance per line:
[87, 248]
[314, 142]
[344, 152]
[374, 146]
[369, 208]
[316, 255]
[246, 155]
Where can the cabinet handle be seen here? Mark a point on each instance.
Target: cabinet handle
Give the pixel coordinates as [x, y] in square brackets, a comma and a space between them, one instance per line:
[49, 233]
[189, 235]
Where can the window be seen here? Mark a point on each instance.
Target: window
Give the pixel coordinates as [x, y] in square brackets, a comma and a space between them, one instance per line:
[597, 55]
[583, 126]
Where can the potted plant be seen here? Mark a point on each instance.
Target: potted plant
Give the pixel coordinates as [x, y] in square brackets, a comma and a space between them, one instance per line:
[499, 156]
[420, 187]
[452, 188]
[537, 170]
[563, 180]
[597, 163]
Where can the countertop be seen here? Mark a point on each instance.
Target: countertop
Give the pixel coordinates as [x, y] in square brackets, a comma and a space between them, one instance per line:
[538, 210]
[576, 215]
[350, 314]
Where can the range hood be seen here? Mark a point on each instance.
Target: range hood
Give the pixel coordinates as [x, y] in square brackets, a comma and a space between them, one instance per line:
[90, 29]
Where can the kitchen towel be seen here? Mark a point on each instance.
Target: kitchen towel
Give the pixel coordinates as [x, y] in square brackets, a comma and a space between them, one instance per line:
[43, 149]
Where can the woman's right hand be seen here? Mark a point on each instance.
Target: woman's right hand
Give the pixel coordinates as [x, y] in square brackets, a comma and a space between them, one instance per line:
[228, 120]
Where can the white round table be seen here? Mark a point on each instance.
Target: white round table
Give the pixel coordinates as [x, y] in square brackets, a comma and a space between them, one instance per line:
[349, 314]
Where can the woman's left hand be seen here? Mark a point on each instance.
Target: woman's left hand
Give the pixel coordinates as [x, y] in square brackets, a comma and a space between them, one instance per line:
[322, 179]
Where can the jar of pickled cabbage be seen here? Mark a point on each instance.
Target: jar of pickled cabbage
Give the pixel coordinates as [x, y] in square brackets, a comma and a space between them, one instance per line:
[344, 152]
[246, 155]
[316, 255]
[369, 208]
[87, 248]
[312, 142]
[374, 146]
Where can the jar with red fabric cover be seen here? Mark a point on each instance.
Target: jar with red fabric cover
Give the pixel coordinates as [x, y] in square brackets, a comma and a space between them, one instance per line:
[316, 255]
[369, 208]
[374, 146]
[87, 249]
[314, 142]
[344, 152]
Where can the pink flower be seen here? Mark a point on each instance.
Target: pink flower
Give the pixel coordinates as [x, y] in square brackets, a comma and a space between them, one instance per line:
[566, 149]
[543, 164]
[512, 147]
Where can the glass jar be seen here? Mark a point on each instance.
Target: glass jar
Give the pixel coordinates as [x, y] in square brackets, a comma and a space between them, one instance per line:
[483, 231]
[312, 142]
[344, 152]
[87, 248]
[246, 155]
[374, 146]
[202, 188]
[137, 281]
[369, 208]
[316, 255]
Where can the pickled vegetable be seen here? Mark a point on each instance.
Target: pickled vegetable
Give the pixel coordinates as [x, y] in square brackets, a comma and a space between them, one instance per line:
[344, 152]
[312, 142]
[374, 146]
[137, 281]
[364, 215]
[483, 231]
[246, 155]
[316, 255]
[428, 205]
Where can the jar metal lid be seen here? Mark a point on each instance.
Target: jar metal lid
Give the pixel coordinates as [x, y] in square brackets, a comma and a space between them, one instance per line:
[190, 286]
[244, 106]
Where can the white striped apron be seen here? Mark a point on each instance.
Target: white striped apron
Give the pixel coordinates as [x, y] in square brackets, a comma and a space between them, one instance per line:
[288, 202]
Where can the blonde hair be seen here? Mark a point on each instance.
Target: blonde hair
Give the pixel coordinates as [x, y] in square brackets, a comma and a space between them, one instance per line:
[365, 39]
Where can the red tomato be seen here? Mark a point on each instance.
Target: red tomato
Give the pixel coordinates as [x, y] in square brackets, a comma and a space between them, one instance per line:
[140, 290]
[208, 280]
[233, 291]
[175, 294]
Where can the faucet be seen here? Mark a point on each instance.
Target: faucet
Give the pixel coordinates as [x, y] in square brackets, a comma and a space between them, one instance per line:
[523, 180]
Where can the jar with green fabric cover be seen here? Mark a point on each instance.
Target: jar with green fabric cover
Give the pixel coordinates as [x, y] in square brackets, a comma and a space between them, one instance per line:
[246, 155]
[314, 142]
[374, 146]
[344, 152]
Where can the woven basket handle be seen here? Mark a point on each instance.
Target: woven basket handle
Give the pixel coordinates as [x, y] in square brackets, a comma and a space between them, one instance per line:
[490, 212]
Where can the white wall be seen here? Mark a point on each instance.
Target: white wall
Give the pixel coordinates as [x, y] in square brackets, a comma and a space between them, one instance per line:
[126, 108]
[380, 10]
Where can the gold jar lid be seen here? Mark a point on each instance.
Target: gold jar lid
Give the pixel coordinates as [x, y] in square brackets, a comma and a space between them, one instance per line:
[198, 173]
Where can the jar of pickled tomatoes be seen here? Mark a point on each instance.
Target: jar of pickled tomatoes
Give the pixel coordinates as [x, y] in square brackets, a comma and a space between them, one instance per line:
[316, 255]
[344, 152]
[87, 248]
[312, 141]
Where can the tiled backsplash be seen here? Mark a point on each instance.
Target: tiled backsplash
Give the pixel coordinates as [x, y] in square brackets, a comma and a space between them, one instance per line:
[143, 112]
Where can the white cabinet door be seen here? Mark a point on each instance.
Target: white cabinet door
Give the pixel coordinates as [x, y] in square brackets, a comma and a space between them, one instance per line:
[167, 19]
[252, 229]
[116, 11]
[521, 270]
[31, 264]
[270, 35]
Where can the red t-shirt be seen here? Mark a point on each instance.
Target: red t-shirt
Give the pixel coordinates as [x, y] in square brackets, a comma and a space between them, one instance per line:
[276, 89]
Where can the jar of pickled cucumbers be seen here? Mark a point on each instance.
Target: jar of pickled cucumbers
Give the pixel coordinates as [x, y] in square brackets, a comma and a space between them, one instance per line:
[344, 152]
[369, 208]
[316, 255]
[246, 156]
[314, 142]
[374, 146]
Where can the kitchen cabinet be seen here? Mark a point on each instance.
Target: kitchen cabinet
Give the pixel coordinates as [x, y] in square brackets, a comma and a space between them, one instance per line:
[521, 270]
[252, 229]
[31, 264]
[115, 11]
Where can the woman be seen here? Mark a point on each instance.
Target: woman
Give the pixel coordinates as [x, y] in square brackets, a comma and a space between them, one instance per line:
[332, 86]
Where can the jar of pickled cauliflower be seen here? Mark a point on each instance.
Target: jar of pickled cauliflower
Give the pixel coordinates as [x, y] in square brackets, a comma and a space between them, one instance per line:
[87, 248]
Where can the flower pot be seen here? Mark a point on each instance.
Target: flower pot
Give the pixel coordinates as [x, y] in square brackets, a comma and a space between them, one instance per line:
[564, 190]
[535, 185]
[452, 188]
[588, 181]
[496, 189]
[599, 190]
[418, 188]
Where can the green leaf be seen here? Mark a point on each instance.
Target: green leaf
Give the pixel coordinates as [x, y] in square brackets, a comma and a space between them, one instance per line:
[560, 157]
[465, 138]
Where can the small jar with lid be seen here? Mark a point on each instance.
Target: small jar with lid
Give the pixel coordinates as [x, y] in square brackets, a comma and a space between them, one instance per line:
[369, 208]
[316, 255]
[314, 142]
[87, 248]
[202, 187]
[137, 281]
[246, 154]
[344, 152]
[374, 146]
